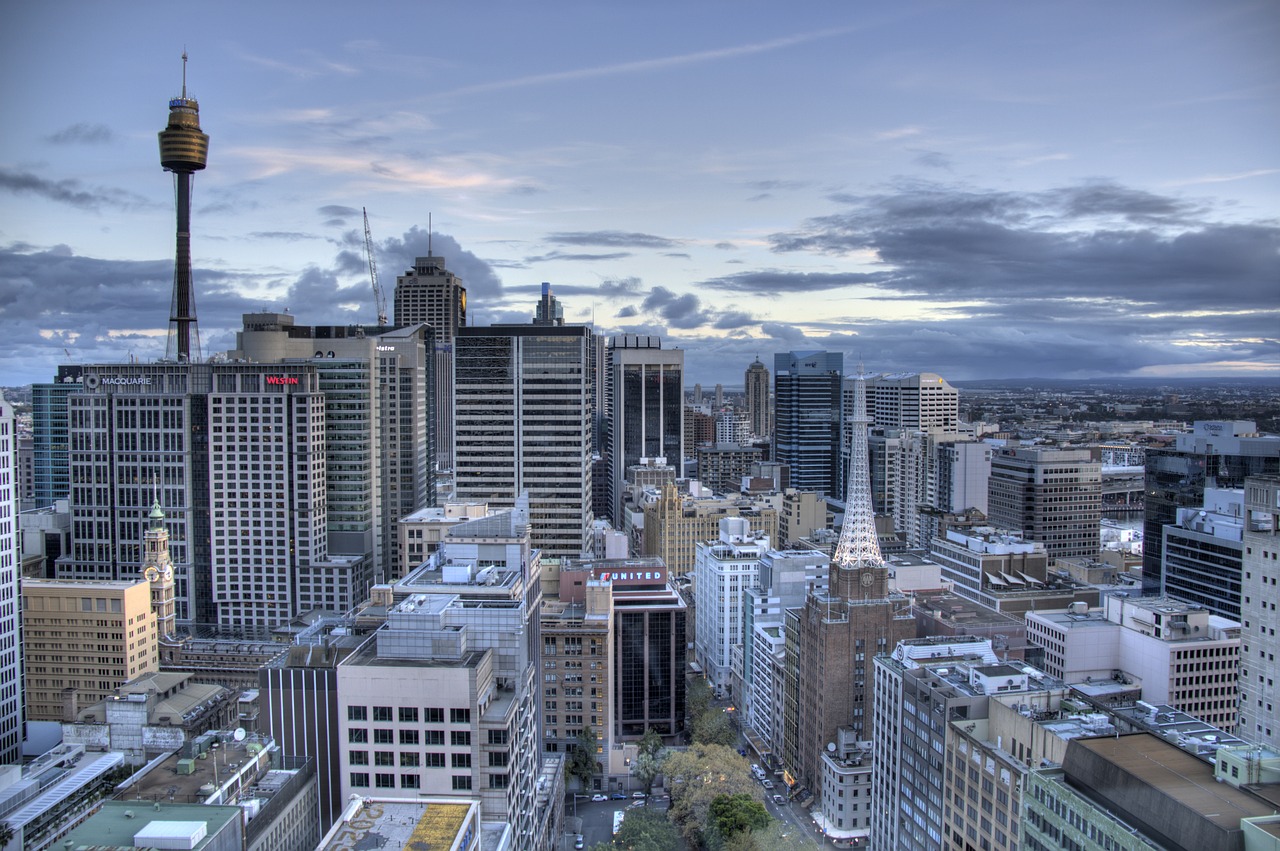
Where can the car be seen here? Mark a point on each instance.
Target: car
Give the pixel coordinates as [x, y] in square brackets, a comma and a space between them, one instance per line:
[639, 795]
[768, 784]
[619, 796]
[778, 799]
[579, 842]
[598, 797]
[635, 804]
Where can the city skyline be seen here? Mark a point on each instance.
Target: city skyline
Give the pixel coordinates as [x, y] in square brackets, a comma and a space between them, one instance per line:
[981, 191]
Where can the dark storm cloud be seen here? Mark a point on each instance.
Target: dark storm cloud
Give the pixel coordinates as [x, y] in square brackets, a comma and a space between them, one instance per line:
[627, 312]
[679, 311]
[1095, 241]
[613, 239]
[70, 192]
[733, 319]
[559, 255]
[82, 134]
[774, 283]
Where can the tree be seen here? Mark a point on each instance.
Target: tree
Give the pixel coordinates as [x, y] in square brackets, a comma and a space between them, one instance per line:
[713, 727]
[582, 762]
[649, 759]
[699, 775]
[6, 834]
[775, 836]
[732, 814]
[697, 697]
[651, 742]
[646, 830]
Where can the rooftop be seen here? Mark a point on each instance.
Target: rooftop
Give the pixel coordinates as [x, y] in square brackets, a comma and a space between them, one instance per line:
[424, 825]
[118, 822]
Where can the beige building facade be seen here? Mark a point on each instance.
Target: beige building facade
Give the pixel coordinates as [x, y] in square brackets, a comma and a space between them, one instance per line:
[82, 640]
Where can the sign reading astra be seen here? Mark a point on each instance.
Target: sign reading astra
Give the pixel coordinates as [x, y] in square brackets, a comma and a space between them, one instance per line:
[282, 379]
[656, 575]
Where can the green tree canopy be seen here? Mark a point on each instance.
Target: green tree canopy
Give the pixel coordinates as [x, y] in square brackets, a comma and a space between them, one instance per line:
[647, 830]
[582, 761]
[713, 727]
[699, 775]
[731, 814]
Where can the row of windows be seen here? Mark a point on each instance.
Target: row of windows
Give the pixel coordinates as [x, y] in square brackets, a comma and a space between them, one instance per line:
[409, 714]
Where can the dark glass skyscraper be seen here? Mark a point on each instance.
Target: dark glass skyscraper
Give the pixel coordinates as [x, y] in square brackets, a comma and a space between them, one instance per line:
[1216, 454]
[807, 411]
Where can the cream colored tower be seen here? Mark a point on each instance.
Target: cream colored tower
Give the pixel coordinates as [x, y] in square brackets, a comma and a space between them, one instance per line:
[157, 569]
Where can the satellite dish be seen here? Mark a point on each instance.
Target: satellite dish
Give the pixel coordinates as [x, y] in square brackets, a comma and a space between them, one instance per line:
[239, 734]
[831, 747]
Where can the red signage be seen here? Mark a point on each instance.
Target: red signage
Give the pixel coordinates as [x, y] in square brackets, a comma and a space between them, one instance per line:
[282, 379]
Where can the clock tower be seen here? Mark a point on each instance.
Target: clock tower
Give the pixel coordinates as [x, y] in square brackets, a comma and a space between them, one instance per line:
[157, 569]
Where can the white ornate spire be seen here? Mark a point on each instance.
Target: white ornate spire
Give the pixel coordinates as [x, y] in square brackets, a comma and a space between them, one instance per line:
[859, 546]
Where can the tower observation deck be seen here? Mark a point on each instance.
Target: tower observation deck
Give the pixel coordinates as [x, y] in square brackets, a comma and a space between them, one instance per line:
[184, 150]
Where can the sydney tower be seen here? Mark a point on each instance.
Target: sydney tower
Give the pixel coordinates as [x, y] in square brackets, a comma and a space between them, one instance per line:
[184, 150]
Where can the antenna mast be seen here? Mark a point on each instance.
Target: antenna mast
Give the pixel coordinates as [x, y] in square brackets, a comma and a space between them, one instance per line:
[373, 272]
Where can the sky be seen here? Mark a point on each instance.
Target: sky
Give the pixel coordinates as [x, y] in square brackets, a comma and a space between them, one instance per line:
[976, 189]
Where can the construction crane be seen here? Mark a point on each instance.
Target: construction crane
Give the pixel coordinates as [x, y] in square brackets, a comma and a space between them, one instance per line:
[373, 272]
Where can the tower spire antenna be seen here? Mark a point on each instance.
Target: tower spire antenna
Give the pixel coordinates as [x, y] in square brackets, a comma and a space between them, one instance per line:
[429, 254]
[184, 150]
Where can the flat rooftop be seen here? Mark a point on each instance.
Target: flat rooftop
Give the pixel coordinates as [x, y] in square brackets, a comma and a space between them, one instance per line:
[432, 825]
[115, 825]
[1178, 775]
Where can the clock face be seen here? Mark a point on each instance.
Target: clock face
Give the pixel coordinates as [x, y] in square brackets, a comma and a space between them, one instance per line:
[867, 579]
[151, 573]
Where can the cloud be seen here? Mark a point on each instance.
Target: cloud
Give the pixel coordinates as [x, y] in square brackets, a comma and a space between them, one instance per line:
[69, 192]
[283, 235]
[104, 310]
[561, 255]
[82, 133]
[774, 283]
[933, 159]
[613, 239]
[680, 311]
[1098, 240]
[338, 211]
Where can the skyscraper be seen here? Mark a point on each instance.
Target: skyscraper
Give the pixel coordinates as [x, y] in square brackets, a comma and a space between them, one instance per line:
[645, 413]
[11, 699]
[237, 451]
[379, 417]
[431, 294]
[807, 415]
[49, 436]
[845, 627]
[524, 424]
[184, 150]
[1216, 454]
[1053, 496]
[756, 382]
